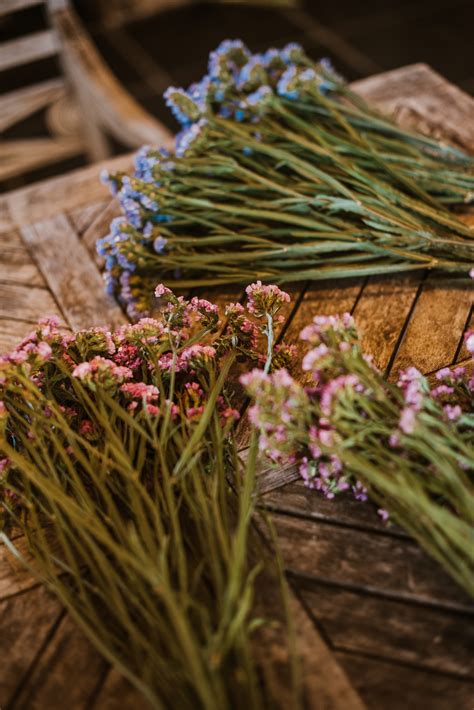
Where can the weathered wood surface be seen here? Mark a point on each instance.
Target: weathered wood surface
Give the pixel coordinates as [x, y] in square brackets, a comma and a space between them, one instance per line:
[398, 626]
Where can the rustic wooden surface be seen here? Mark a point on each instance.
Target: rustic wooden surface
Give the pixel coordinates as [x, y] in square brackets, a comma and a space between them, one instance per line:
[368, 598]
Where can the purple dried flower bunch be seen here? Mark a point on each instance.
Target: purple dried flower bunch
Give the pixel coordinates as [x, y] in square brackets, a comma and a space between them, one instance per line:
[407, 445]
[282, 173]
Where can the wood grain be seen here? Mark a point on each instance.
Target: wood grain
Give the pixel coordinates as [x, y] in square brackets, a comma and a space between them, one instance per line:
[71, 274]
[413, 634]
[389, 686]
[67, 672]
[83, 217]
[295, 499]
[16, 264]
[16, 105]
[26, 620]
[398, 568]
[29, 48]
[432, 335]
[26, 303]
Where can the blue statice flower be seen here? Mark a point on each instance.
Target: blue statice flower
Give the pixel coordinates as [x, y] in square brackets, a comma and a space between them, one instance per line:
[256, 103]
[192, 138]
[202, 93]
[232, 50]
[182, 106]
[123, 262]
[296, 80]
[226, 111]
[147, 230]
[144, 162]
[288, 83]
[252, 74]
[273, 59]
[247, 150]
[161, 218]
[109, 181]
[148, 203]
[110, 283]
[293, 53]
[328, 67]
[159, 244]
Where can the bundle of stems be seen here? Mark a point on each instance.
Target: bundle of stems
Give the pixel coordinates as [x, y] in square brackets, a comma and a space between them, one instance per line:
[282, 173]
[123, 473]
[408, 447]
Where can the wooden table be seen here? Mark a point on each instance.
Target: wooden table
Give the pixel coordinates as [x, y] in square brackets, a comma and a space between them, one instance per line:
[379, 615]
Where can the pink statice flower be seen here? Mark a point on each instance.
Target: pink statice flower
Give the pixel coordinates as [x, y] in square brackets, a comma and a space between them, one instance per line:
[263, 299]
[469, 341]
[102, 371]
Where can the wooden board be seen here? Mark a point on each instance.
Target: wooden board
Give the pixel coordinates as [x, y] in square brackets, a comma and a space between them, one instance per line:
[376, 616]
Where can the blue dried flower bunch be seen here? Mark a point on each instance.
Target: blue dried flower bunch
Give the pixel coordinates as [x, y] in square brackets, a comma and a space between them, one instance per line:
[281, 172]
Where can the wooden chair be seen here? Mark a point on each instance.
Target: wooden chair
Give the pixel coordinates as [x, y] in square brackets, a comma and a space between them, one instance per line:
[82, 108]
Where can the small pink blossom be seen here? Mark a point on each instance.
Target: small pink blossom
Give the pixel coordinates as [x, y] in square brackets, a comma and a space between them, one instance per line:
[162, 290]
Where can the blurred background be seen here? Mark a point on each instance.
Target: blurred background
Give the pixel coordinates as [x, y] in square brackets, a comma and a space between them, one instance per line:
[150, 44]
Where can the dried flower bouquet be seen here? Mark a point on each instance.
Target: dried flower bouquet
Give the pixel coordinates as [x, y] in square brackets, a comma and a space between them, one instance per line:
[119, 462]
[282, 173]
[406, 445]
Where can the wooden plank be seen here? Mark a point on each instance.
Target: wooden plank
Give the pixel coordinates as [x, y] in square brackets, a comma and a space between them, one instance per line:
[390, 686]
[321, 298]
[8, 6]
[398, 568]
[66, 674]
[49, 197]
[382, 312]
[29, 48]
[26, 303]
[100, 227]
[105, 103]
[71, 274]
[20, 156]
[297, 499]
[323, 683]
[17, 105]
[117, 694]
[420, 98]
[83, 217]
[16, 265]
[14, 576]
[420, 636]
[432, 335]
[26, 621]
[6, 221]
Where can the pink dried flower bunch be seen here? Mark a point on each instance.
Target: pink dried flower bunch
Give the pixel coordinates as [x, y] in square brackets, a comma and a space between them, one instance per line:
[156, 371]
[347, 417]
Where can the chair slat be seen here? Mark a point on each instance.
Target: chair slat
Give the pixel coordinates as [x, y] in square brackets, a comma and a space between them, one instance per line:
[17, 105]
[7, 6]
[30, 48]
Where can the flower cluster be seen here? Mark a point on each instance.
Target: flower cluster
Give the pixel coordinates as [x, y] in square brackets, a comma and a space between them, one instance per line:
[346, 409]
[154, 371]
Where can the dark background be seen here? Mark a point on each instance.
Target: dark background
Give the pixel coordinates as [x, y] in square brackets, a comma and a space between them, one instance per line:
[171, 47]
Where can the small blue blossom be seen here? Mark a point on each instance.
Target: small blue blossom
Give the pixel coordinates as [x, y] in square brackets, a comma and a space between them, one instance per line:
[182, 106]
[159, 244]
[287, 86]
[191, 138]
[148, 229]
[292, 53]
